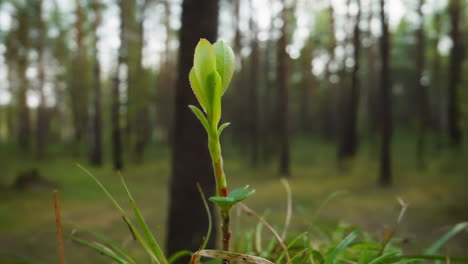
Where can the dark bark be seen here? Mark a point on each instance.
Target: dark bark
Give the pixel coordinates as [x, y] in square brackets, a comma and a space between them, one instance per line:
[96, 133]
[438, 102]
[348, 141]
[165, 82]
[117, 154]
[41, 122]
[141, 117]
[78, 88]
[24, 127]
[373, 110]
[421, 94]
[187, 222]
[283, 108]
[327, 103]
[307, 87]
[253, 93]
[456, 59]
[385, 175]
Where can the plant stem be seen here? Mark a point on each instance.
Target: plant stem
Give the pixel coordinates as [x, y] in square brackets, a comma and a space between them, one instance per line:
[221, 188]
[226, 216]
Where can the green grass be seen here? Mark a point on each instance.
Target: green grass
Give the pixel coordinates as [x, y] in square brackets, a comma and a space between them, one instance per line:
[437, 197]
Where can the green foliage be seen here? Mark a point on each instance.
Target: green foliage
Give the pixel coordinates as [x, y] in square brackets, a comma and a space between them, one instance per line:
[234, 196]
[213, 68]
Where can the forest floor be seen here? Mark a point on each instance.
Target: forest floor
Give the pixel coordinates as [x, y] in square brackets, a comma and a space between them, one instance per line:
[437, 195]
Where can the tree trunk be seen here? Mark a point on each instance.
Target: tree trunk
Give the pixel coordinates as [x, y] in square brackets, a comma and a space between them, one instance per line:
[385, 178]
[327, 106]
[190, 158]
[41, 122]
[348, 141]
[283, 112]
[307, 87]
[141, 118]
[24, 128]
[78, 88]
[421, 94]
[115, 106]
[96, 134]
[253, 93]
[456, 59]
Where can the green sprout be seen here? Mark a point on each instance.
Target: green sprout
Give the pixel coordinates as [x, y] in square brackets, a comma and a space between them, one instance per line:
[211, 74]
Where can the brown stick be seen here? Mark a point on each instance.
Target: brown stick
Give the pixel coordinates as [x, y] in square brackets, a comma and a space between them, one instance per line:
[58, 224]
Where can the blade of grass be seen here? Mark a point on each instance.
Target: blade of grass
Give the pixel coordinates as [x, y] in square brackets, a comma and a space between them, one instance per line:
[426, 257]
[439, 243]
[146, 231]
[112, 245]
[287, 220]
[330, 258]
[280, 258]
[208, 212]
[178, 255]
[384, 257]
[101, 249]
[249, 211]
[127, 220]
[233, 256]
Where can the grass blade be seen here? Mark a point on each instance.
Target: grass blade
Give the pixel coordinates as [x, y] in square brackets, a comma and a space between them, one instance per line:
[210, 221]
[439, 243]
[101, 249]
[178, 255]
[146, 231]
[331, 257]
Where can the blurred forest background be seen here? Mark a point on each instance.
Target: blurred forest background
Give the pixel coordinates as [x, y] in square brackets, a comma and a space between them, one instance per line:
[366, 96]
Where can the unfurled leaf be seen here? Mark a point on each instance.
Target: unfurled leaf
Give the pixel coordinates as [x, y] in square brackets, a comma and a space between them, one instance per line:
[225, 63]
[198, 89]
[198, 113]
[235, 196]
[222, 127]
[214, 93]
[204, 61]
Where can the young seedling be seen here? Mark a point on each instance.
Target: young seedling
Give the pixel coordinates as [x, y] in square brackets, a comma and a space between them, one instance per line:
[212, 71]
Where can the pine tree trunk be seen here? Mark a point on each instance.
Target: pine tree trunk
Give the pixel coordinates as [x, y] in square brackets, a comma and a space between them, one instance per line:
[348, 141]
[253, 95]
[117, 152]
[190, 158]
[283, 112]
[456, 59]
[96, 134]
[385, 177]
[423, 109]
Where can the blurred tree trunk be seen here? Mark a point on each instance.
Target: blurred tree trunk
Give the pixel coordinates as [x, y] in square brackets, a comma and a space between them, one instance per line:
[371, 76]
[439, 94]
[117, 154]
[237, 35]
[348, 141]
[141, 100]
[307, 86]
[327, 104]
[268, 110]
[41, 119]
[253, 95]
[165, 81]
[421, 94]
[385, 176]
[24, 127]
[78, 87]
[456, 60]
[190, 157]
[283, 85]
[96, 134]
